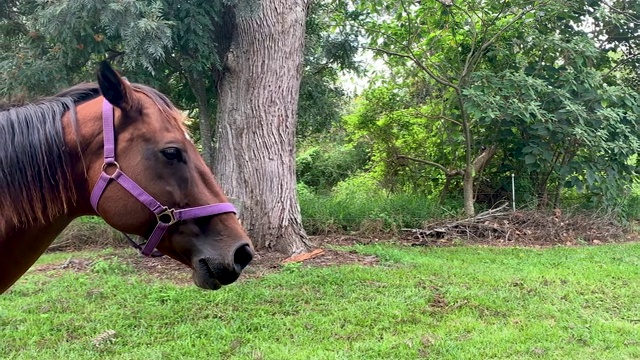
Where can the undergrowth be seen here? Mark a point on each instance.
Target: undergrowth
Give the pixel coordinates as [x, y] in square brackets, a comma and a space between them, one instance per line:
[368, 210]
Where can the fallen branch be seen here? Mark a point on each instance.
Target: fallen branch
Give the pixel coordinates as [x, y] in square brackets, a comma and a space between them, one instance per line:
[528, 226]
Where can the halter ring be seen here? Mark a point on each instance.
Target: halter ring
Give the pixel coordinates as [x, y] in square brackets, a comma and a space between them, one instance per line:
[171, 213]
[106, 165]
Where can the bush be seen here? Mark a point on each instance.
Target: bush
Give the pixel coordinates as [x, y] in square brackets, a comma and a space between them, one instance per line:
[324, 165]
[631, 204]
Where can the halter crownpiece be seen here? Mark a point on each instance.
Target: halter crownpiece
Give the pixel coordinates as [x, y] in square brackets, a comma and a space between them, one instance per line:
[166, 216]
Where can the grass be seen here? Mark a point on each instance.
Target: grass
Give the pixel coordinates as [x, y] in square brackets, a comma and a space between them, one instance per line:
[368, 209]
[631, 203]
[444, 303]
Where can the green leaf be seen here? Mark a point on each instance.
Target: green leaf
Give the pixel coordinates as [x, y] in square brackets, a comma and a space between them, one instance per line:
[529, 159]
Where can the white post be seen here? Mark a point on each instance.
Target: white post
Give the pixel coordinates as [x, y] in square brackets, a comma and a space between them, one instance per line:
[513, 191]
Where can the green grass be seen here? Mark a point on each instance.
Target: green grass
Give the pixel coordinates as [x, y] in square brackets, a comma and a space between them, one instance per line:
[443, 303]
[372, 211]
[631, 203]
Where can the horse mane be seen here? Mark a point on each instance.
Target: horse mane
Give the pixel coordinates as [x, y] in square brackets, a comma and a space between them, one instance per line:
[36, 183]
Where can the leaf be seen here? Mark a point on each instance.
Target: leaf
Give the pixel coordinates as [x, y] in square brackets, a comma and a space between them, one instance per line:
[530, 159]
[591, 177]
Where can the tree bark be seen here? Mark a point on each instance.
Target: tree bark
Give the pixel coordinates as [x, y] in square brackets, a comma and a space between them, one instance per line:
[254, 159]
[199, 89]
[467, 190]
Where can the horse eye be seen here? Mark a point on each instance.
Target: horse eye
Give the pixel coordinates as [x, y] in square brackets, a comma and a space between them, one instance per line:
[172, 154]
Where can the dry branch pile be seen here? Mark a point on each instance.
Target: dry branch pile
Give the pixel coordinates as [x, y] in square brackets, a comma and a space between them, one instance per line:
[502, 226]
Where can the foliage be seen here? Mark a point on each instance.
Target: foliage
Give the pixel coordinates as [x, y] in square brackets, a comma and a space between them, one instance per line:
[53, 45]
[323, 162]
[328, 52]
[392, 125]
[446, 303]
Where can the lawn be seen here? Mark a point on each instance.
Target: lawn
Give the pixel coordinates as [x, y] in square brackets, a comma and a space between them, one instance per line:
[465, 302]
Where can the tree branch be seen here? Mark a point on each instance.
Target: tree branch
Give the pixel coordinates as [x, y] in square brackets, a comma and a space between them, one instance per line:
[441, 117]
[426, 162]
[483, 159]
[621, 63]
[417, 62]
[473, 60]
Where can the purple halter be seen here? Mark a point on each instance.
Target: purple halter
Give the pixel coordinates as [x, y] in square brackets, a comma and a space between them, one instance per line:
[166, 217]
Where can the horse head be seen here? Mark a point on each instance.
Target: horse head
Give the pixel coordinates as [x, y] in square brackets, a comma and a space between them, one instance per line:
[147, 178]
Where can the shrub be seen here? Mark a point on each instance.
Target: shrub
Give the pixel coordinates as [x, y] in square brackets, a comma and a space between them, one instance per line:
[322, 166]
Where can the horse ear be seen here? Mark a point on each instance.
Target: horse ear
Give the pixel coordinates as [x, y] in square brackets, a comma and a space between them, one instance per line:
[115, 88]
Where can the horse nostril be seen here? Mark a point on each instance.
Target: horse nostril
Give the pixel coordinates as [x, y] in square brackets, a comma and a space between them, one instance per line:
[242, 257]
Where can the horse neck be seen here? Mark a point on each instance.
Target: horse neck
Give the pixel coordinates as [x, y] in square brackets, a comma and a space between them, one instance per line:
[83, 137]
[21, 245]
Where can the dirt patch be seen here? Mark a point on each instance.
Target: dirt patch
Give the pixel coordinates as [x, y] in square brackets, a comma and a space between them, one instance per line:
[167, 269]
[162, 268]
[263, 263]
[266, 263]
[535, 229]
[71, 264]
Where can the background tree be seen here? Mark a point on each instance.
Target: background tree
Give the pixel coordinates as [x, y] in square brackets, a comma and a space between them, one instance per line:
[443, 58]
[561, 119]
[423, 35]
[257, 122]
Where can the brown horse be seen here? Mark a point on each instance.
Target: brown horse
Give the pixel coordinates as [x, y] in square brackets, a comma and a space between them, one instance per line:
[119, 150]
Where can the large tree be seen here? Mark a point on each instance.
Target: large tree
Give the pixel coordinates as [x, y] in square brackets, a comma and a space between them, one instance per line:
[256, 124]
[183, 48]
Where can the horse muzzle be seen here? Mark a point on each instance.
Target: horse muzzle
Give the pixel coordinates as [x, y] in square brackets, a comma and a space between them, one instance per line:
[211, 273]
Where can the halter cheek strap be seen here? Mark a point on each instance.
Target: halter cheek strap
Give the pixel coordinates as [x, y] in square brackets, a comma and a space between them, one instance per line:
[165, 216]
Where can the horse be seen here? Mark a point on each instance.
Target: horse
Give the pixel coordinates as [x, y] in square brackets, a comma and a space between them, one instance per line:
[121, 151]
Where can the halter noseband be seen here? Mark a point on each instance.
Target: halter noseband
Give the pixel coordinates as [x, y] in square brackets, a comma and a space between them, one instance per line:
[165, 216]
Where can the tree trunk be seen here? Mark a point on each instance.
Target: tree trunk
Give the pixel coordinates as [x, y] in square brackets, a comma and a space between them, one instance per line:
[199, 89]
[254, 159]
[445, 189]
[467, 188]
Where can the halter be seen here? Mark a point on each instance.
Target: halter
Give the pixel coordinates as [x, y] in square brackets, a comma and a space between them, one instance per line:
[165, 216]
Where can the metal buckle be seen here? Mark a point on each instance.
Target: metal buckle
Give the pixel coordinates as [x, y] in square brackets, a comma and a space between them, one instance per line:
[171, 213]
[106, 165]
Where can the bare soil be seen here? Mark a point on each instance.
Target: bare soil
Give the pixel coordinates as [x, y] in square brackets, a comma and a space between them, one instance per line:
[514, 229]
